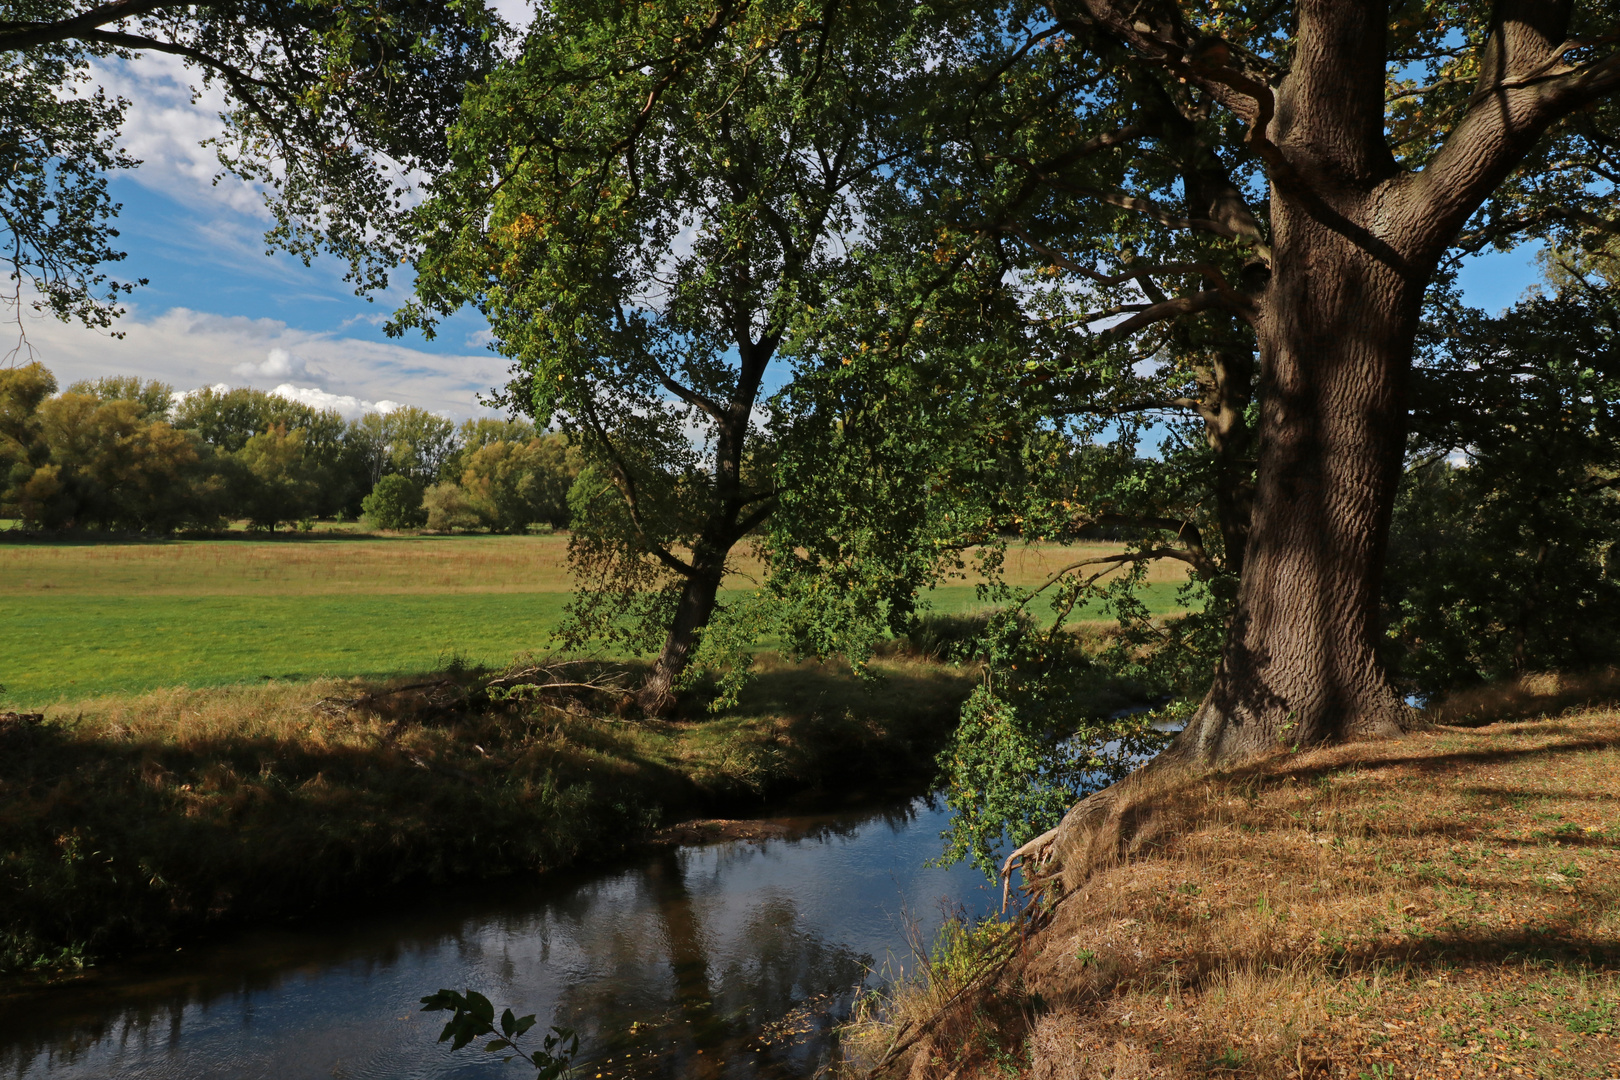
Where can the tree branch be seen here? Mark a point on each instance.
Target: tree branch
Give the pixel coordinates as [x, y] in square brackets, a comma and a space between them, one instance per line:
[1239, 302]
[691, 397]
[626, 485]
[16, 36]
[1169, 309]
[1148, 207]
[1524, 88]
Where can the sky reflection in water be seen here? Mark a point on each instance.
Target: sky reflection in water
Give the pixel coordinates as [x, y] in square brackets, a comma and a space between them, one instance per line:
[727, 960]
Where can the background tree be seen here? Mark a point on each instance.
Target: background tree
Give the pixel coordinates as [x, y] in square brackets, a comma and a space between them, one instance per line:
[395, 503]
[409, 441]
[512, 485]
[277, 480]
[320, 94]
[156, 399]
[227, 418]
[449, 509]
[479, 432]
[110, 467]
[22, 450]
[641, 204]
[1503, 556]
[334, 455]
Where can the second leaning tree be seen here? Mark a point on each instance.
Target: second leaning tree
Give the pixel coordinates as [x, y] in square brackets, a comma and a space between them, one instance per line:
[644, 203]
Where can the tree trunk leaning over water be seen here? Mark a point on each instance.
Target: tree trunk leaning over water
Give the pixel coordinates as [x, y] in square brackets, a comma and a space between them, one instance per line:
[1355, 241]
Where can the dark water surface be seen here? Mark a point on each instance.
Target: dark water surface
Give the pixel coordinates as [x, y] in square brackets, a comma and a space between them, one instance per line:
[726, 960]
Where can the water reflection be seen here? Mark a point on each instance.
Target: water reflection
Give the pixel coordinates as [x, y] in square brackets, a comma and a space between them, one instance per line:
[733, 959]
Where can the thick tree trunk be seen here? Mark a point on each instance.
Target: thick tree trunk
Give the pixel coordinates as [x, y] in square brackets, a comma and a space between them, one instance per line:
[1300, 665]
[1354, 242]
[657, 695]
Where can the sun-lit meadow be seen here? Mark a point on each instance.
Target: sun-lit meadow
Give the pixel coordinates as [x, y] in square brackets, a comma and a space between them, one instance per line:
[85, 619]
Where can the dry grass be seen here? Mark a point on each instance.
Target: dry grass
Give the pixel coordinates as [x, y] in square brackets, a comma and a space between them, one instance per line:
[327, 564]
[303, 565]
[1444, 905]
[126, 822]
[1527, 696]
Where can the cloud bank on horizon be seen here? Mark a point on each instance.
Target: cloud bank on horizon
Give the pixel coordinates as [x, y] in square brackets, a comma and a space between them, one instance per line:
[191, 349]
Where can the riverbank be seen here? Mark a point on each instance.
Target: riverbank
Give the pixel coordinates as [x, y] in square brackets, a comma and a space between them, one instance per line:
[1446, 904]
[136, 822]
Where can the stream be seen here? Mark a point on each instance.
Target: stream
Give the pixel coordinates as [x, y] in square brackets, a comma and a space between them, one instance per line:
[730, 959]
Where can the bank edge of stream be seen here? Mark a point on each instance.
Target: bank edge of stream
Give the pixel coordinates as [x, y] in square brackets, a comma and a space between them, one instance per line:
[142, 822]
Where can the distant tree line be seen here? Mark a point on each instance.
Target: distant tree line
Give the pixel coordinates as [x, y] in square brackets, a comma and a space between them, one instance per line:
[121, 454]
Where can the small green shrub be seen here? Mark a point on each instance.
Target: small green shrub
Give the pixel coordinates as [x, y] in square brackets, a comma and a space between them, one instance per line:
[395, 503]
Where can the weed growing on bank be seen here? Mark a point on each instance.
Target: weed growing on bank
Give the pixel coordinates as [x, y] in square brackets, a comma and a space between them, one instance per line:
[130, 822]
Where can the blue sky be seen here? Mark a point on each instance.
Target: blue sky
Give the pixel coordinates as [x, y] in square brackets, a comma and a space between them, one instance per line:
[218, 310]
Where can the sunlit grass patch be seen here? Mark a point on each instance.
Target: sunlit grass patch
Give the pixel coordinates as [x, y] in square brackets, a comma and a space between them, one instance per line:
[62, 646]
[126, 617]
[1446, 904]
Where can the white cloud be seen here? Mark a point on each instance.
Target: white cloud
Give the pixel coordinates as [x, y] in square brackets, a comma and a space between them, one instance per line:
[189, 349]
[165, 128]
[280, 364]
[350, 406]
[517, 13]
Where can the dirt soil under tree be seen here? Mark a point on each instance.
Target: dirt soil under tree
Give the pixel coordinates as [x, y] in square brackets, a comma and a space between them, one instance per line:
[1441, 905]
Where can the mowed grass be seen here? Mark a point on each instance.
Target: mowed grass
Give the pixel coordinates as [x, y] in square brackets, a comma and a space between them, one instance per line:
[117, 618]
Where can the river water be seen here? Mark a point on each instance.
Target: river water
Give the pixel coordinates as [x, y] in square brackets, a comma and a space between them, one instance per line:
[734, 959]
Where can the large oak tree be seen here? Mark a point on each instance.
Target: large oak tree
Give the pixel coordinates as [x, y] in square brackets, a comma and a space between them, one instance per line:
[1302, 171]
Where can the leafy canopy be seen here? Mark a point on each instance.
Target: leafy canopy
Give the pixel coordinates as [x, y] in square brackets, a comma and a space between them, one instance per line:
[332, 107]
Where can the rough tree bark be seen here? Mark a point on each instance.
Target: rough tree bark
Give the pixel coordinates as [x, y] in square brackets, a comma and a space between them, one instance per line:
[1355, 240]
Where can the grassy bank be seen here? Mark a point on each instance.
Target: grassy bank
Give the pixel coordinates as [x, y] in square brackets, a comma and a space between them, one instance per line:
[1443, 905]
[128, 617]
[133, 821]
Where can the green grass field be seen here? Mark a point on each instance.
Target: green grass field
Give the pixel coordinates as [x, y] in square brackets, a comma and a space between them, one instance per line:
[86, 619]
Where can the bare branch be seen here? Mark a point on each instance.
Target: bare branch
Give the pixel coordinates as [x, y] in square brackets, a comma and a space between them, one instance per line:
[1239, 301]
[757, 518]
[691, 397]
[1419, 91]
[1169, 309]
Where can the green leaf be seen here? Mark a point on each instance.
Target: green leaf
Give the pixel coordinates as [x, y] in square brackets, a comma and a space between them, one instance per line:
[478, 1005]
